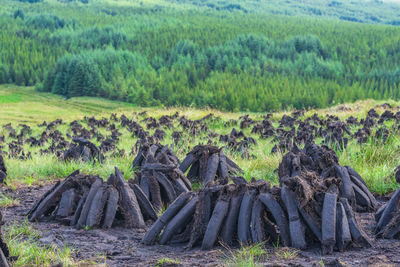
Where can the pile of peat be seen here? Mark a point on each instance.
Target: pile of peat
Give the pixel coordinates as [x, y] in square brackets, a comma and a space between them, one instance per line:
[86, 201]
[154, 152]
[388, 218]
[202, 217]
[323, 162]
[209, 165]
[3, 170]
[159, 177]
[322, 196]
[308, 209]
[83, 149]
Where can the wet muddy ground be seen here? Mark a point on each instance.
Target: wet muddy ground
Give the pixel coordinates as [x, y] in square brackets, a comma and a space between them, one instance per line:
[122, 247]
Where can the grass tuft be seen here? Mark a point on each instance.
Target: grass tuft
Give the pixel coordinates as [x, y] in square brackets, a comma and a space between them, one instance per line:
[167, 262]
[246, 256]
[7, 201]
[286, 253]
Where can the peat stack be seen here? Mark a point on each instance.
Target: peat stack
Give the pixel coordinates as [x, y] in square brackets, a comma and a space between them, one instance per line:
[3, 170]
[397, 174]
[209, 164]
[334, 134]
[161, 183]
[238, 142]
[221, 212]
[265, 128]
[388, 218]
[318, 213]
[238, 214]
[86, 201]
[159, 177]
[83, 149]
[158, 152]
[325, 164]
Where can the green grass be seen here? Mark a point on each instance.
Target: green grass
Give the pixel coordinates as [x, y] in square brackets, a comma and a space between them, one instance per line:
[8, 201]
[22, 241]
[10, 98]
[246, 256]
[374, 161]
[167, 262]
[286, 253]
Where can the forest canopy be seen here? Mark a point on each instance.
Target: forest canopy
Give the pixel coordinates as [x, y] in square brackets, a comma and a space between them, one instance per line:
[179, 53]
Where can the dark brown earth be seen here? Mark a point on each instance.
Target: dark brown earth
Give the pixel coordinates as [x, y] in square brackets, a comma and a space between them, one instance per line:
[122, 247]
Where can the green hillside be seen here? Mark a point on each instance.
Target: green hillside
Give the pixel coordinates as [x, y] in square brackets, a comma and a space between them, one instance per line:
[252, 55]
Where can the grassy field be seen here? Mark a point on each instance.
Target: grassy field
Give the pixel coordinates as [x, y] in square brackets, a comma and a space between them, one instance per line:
[23, 105]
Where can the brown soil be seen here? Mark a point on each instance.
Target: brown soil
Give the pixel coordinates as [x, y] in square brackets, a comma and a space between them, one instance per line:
[122, 247]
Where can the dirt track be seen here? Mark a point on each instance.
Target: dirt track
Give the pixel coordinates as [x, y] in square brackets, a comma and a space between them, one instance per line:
[121, 247]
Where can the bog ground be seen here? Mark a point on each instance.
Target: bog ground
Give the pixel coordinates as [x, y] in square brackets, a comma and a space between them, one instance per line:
[29, 176]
